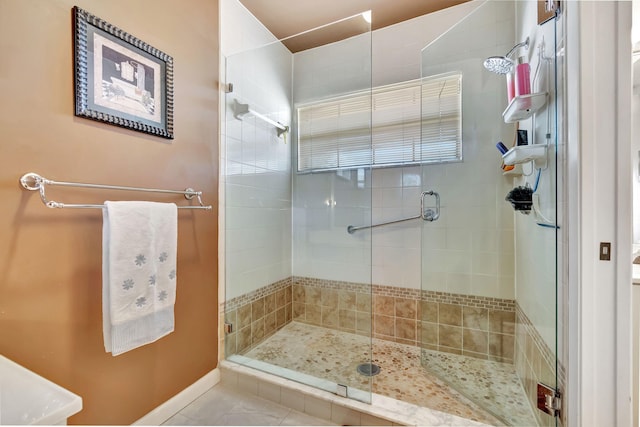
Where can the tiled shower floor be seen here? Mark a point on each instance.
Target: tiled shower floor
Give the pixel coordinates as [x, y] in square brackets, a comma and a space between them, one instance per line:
[334, 355]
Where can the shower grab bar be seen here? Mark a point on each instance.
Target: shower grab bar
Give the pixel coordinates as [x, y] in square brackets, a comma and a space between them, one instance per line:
[427, 215]
[351, 229]
[34, 182]
[239, 110]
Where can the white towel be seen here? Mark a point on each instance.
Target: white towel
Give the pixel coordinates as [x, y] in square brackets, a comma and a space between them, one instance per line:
[139, 244]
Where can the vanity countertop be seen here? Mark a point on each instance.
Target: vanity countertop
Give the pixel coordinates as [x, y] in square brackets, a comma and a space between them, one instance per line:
[28, 398]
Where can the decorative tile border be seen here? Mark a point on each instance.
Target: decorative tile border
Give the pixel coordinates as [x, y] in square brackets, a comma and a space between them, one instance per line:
[469, 300]
[332, 284]
[236, 302]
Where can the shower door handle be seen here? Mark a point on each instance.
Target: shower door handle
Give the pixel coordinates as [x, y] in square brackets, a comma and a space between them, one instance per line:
[430, 214]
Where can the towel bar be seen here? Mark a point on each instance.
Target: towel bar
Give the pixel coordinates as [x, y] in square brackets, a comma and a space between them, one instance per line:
[241, 109]
[34, 182]
[426, 214]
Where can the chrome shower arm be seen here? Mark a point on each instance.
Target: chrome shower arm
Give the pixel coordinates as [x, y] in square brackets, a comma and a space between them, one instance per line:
[521, 44]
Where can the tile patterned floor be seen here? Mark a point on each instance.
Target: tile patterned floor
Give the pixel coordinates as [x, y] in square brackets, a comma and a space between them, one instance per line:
[334, 355]
[223, 406]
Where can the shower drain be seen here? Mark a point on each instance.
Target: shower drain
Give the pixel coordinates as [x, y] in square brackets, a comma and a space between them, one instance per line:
[368, 369]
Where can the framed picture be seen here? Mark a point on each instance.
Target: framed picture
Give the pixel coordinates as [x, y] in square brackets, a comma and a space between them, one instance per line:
[120, 79]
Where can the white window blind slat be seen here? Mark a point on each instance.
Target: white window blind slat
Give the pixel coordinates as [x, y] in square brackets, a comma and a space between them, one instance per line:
[407, 123]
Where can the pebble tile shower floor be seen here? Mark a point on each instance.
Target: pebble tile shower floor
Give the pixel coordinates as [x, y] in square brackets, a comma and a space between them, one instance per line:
[335, 355]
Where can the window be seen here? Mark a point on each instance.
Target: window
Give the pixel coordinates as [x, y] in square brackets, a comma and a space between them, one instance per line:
[382, 127]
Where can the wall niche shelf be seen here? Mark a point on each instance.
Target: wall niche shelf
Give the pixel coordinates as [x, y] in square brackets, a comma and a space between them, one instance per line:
[522, 107]
[524, 153]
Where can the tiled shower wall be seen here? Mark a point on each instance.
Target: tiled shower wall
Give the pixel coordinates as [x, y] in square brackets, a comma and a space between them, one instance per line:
[474, 326]
[536, 362]
[486, 328]
[255, 316]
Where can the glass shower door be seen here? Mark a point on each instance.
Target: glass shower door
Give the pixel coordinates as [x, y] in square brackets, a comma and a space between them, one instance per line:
[298, 285]
[490, 266]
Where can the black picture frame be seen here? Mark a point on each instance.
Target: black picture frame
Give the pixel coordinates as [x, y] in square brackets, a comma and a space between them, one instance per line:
[120, 79]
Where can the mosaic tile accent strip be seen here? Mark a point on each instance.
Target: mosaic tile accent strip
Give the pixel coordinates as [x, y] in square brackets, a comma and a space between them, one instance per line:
[332, 284]
[236, 302]
[469, 300]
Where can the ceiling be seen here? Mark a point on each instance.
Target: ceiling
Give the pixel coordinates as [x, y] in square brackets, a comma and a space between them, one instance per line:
[286, 18]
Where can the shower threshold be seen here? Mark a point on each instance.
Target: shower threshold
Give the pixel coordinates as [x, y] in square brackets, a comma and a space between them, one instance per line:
[290, 389]
[323, 357]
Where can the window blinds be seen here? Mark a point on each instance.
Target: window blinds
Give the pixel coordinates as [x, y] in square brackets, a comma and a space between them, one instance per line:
[408, 123]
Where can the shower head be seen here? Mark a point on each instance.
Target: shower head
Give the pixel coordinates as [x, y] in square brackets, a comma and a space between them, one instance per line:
[498, 64]
[503, 64]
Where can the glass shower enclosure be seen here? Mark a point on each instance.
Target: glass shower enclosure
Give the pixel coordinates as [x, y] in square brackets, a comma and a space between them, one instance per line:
[289, 260]
[376, 240]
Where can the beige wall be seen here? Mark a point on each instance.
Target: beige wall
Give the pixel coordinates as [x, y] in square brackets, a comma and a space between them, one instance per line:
[50, 260]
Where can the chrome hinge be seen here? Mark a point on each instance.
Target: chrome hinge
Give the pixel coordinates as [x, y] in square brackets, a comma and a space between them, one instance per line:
[549, 400]
[228, 327]
[342, 390]
[551, 5]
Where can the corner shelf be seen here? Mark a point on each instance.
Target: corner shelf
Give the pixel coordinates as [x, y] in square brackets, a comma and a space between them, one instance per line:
[524, 153]
[516, 171]
[523, 106]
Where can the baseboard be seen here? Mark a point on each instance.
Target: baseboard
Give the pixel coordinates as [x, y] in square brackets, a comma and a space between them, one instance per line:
[162, 413]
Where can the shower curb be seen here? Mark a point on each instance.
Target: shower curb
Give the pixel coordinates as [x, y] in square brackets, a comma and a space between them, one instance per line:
[383, 411]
